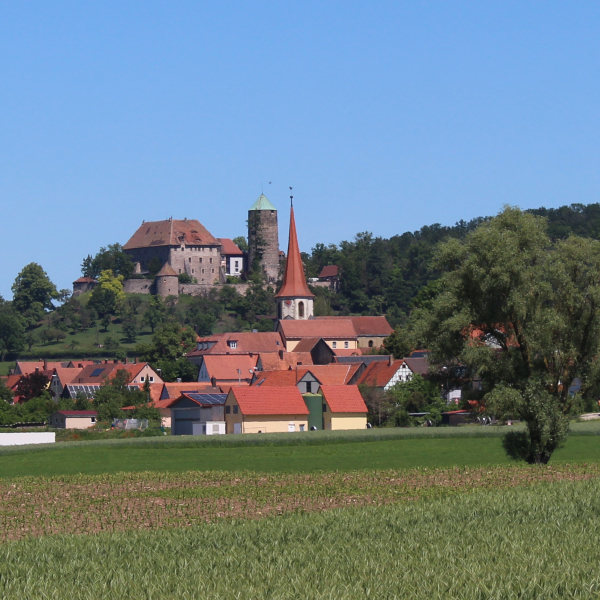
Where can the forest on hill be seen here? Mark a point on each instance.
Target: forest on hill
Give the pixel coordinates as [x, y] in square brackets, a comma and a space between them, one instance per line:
[390, 276]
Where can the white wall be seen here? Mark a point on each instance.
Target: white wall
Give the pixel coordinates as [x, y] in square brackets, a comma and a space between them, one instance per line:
[18, 439]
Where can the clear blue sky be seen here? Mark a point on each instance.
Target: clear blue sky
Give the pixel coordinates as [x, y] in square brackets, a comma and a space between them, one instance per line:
[383, 116]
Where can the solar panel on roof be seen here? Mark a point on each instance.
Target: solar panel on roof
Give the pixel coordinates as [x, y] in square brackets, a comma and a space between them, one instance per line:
[96, 372]
[212, 399]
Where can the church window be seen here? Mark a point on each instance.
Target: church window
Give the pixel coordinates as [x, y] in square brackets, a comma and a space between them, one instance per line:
[301, 309]
[370, 343]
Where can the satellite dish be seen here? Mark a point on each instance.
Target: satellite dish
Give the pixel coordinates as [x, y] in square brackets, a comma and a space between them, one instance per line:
[313, 428]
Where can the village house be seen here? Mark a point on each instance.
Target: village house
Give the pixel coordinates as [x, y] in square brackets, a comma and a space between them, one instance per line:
[384, 375]
[343, 407]
[308, 379]
[265, 410]
[232, 258]
[227, 370]
[73, 419]
[198, 414]
[254, 342]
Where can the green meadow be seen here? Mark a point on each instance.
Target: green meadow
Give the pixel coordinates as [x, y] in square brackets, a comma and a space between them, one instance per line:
[304, 452]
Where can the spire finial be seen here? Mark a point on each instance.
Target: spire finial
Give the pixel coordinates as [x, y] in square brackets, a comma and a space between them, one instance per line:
[291, 198]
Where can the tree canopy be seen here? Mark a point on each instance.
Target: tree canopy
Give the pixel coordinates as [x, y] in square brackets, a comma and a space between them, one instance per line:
[33, 293]
[523, 314]
[110, 258]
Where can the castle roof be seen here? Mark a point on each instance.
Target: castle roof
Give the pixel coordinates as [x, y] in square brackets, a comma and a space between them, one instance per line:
[262, 204]
[171, 233]
[294, 281]
[167, 271]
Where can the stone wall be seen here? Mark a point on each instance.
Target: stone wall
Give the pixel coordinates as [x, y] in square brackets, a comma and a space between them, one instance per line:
[138, 286]
[199, 289]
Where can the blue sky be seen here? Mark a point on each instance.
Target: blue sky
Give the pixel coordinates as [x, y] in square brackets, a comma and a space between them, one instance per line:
[383, 116]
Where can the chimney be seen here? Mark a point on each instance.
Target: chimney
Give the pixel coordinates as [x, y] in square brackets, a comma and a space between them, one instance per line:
[213, 381]
[391, 361]
[106, 361]
[135, 360]
[281, 355]
[116, 361]
[179, 380]
[37, 369]
[45, 365]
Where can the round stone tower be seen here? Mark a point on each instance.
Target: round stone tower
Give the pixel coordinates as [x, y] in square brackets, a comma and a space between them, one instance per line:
[167, 282]
[263, 239]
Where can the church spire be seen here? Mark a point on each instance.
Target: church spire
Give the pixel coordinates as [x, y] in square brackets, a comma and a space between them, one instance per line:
[294, 282]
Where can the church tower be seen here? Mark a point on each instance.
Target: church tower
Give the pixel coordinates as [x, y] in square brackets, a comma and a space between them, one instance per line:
[294, 299]
[263, 239]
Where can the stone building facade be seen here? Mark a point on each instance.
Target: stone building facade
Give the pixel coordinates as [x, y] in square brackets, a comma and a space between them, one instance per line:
[186, 245]
[263, 238]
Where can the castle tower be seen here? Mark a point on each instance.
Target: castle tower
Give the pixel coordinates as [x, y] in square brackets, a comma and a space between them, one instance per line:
[167, 282]
[294, 299]
[263, 239]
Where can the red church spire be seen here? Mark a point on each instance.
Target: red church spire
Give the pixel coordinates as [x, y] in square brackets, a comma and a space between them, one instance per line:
[294, 282]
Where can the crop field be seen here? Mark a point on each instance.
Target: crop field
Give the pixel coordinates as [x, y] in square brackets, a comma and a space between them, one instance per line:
[504, 533]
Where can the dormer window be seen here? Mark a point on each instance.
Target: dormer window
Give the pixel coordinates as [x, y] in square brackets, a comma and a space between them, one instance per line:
[232, 344]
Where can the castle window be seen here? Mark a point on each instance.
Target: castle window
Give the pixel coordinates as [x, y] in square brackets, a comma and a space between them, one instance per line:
[201, 260]
[301, 309]
[180, 270]
[211, 260]
[190, 259]
[192, 270]
[212, 270]
[203, 270]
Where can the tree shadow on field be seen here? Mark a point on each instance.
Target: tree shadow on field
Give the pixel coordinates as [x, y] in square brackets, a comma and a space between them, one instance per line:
[517, 446]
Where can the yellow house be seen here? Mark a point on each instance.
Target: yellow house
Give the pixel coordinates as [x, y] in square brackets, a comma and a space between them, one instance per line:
[73, 419]
[265, 410]
[343, 407]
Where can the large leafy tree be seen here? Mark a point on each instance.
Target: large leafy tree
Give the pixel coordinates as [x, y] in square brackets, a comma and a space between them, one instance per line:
[524, 314]
[111, 258]
[108, 296]
[12, 331]
[33, 293]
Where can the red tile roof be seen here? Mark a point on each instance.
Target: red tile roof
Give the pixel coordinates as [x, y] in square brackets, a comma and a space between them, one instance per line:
[271, 361]
[329, 271]
[344, 398]
[29, 367]
[333, 374]
[365, 325]
[108, 371]
[379, 373]
[340, 329]
[77, 413]
[169, 233]
[269, 401]
[229, 248]
[85, 280]
[67, 374]
[347, 352]
[224, 367]
[246, 342]
[294, 280]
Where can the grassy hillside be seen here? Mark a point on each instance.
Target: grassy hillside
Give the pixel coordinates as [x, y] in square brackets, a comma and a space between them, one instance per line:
[528, 542]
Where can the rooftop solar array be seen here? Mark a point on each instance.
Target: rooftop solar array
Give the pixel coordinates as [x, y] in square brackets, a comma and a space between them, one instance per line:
[89, 390]
[209, 399]
[97, 372]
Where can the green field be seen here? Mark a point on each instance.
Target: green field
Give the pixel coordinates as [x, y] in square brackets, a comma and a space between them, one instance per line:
[527, 542]
[310, 452]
